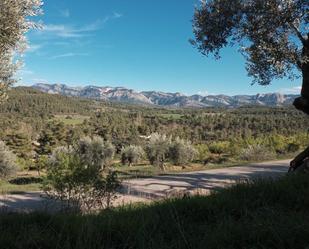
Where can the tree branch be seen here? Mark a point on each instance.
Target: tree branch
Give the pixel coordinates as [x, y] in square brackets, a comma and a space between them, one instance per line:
[299, 35]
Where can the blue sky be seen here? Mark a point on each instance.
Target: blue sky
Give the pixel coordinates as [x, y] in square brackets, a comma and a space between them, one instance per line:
[138, 44]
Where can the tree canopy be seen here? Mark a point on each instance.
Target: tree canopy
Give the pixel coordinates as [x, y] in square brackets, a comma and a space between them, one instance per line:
[14, 23]
[272, 35]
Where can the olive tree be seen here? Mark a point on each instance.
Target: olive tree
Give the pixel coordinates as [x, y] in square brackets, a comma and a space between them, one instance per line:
[7, 162]
[76, 176]
[272, 35]
[182, 152]
[95, 151]
[157, 149]
[14, 23]
[132, 154]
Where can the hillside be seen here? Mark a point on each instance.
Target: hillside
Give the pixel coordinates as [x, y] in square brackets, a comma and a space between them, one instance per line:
[32, 110]
[124, 95]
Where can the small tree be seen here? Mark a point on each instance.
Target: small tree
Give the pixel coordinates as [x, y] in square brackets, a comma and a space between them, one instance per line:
[182, 152]
[95, 151]
[256, 152]
[7, 162]
[132, 154]
[75, 177]
[157, 149]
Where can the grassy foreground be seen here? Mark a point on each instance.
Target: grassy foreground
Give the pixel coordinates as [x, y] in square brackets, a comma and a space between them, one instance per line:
[263, 214]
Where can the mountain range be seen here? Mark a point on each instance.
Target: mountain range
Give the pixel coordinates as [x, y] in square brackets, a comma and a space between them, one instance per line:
[124, 95]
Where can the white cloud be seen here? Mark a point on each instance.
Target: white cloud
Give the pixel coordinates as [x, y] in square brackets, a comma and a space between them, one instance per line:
[117, 15]
[65, 13]
[62, 30]
[38, 80]
[71, 31]
[25, 72]
[34, 47]
[292, 90]
[68, 55]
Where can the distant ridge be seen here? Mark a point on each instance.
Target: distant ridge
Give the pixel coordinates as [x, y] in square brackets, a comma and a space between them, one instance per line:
[124, 95]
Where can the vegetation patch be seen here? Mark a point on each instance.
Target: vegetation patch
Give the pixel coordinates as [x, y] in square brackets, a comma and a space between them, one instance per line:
[262, 214]
[71, 119]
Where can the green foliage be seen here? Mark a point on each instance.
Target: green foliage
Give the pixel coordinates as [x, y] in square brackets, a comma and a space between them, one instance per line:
[132, 154]
[41, 163]
[277, 143]
[271, 35]
[75, 176]
[203, 152]
[263, 214]
[31, 124]
[16, 19]
[157, 149]
[7, 162]
[219, 147]
[95, 151]
[182, 152]
[20, 144]
[256, 153]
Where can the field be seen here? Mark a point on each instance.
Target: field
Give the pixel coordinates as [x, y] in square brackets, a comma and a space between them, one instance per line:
[70, 119]
[263, 214]
[24, 181]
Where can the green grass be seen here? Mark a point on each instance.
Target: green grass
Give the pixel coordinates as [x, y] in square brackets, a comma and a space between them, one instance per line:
[147, 170]
[71, 119]
[173, 116]
[263, 214]
[20, 185]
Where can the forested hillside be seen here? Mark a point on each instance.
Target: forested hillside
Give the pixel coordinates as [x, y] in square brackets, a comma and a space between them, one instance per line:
[34, 123]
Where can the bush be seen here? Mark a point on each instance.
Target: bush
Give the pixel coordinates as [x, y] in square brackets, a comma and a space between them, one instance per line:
[256, 153]
[157, 149]
[203, 152]
[41, 163]
[278, 143]
[95, 151]
[7, 162]
[132, 154]
[75, 176]
[219, 147]
[182, 152]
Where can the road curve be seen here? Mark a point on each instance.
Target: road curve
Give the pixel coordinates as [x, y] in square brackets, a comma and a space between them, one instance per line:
[148, 189]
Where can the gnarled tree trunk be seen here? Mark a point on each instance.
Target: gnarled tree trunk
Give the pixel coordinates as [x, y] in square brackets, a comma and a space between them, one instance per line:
[302, 103]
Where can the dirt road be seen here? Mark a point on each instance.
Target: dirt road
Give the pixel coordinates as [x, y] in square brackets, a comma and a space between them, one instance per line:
[148, 189]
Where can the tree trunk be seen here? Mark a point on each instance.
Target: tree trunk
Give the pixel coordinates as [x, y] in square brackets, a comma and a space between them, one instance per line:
[301, 157]
[302, 103]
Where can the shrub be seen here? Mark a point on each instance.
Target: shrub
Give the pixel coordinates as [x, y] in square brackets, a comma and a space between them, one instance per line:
[157, 149]
[292, 147]
[219, 147]
[7, 162]
[256, 153]
[41, 163]
[202, 152]
[95, 151]
[75, 176]
[278, 143]
[132, 154]
[182, 152]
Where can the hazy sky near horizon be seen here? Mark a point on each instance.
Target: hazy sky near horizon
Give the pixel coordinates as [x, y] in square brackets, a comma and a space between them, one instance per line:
[138, 44]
